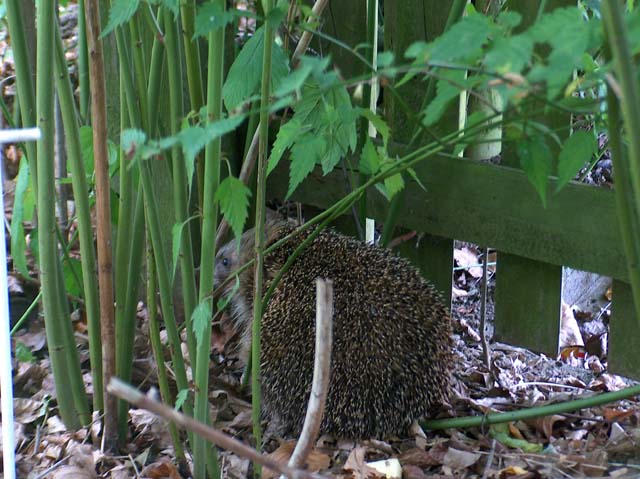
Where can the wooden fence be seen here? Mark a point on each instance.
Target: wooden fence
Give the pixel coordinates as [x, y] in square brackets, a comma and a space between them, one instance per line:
[491, 205]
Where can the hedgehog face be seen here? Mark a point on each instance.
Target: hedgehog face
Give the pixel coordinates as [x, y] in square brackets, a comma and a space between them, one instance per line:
[226, 263]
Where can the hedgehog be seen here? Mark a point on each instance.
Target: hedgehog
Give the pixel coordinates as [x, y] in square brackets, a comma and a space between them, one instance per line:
[391, 355]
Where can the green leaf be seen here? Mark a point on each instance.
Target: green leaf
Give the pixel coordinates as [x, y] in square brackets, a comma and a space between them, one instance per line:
[201, 320]
[385, 59]
[287, 135]
[509, 55]
[72, 273]
[576, 151]
[176, 236]
[378, 123]
[536, 160]
[193, 140]
[245, 73]
[304, 156]
[121, 11]
[294, 81]
[393, 185]
[24, 354]
[369, 159]
[447, 89]
[221, 127]
[233, 197]
[131, 140]
[181, 397]
[18, 242]
[464, 40]
[172, 5]
[211, 16]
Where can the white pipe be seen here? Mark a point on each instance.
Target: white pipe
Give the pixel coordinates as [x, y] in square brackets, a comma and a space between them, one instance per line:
[6, 376]
[15, 136]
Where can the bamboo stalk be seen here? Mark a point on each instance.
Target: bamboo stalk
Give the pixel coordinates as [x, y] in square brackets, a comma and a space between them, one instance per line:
[26, 92]
[83, 212]
[83, 64]
[263, 146]
[49, 264]
[180, 181]
[213, 153]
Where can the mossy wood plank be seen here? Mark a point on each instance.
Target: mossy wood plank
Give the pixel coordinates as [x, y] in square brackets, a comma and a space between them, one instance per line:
[527, 303]
[492, 205]
[433, 256]
[405, 23]
[624, 333]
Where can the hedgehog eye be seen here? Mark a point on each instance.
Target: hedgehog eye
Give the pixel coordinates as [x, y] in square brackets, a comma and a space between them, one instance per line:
[225, 262]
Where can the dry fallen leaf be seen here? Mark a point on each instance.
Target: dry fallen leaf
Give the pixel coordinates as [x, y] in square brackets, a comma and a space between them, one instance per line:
[357, 466]
[316, 461]
[457, 459]
[72, 472]
[161, 470]
[466, 258]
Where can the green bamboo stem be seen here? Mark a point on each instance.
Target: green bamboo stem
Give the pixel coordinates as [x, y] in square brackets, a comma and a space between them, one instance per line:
[83, 65]
[135, 118]
[523, 414]
[201, 449]
[194, 77]
[164, 283]
[83, 211]
[155, 80]
[263, 146]
[616, 32]
[180, 181]
[26, 92]
[49, 264]
[140, 73]
[156, 346]
[125, 323]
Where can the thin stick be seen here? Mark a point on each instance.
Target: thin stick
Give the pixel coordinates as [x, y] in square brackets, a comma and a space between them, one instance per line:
[133, 396]
[103, 208]
[321, 373]
[305, 39]
[486, 350]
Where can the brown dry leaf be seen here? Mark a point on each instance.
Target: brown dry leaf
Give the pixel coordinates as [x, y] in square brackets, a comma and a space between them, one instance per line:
[612, 414]
[150, 429]
[26, 411]
[607, 382]
[421, 458]
[357, 466]
[458, 293]
[161, 470]
[465, 257]
[514, 431]
[457, 460]
[316, 461]
[545, 424]
[72, 472]
[413, 472]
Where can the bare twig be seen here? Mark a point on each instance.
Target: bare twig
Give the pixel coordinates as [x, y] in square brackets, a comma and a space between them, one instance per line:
[133, 396]
[305, 39]
[483, 311]
[103, 208]
[321, 373]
